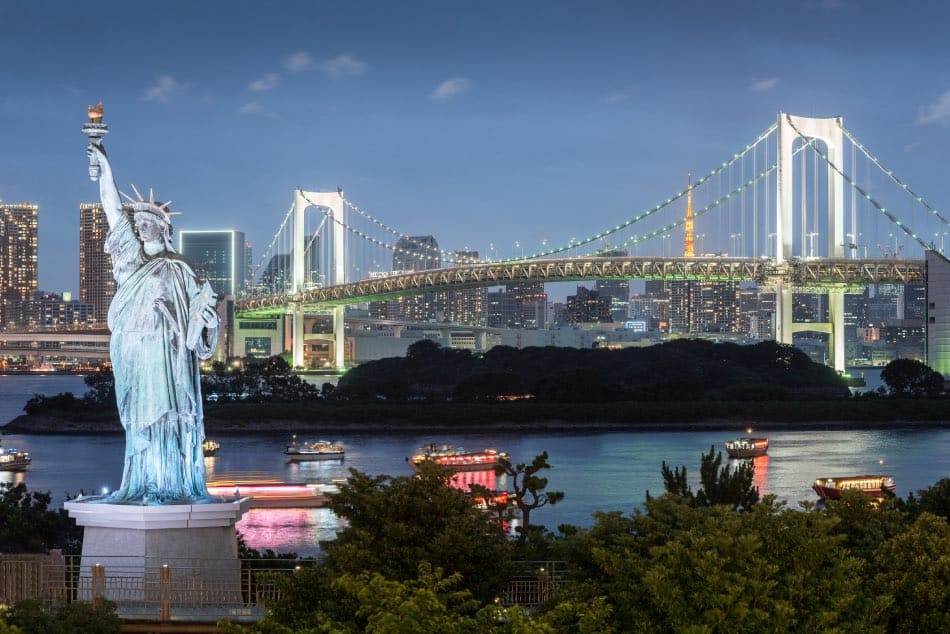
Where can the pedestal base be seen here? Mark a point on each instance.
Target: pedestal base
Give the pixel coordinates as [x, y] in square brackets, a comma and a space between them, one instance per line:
[153, 561]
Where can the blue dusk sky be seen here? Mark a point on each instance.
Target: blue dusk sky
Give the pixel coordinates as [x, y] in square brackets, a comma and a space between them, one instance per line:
[472, 121]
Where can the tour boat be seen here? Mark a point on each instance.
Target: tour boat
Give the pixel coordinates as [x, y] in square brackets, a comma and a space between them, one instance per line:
[319, 450]
[872, 486]
[210, 447]
[268, 493]
[14, 460]
[747, 447]
[457, 459]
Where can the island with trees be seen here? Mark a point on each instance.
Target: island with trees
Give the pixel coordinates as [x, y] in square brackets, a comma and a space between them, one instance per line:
[685, 384]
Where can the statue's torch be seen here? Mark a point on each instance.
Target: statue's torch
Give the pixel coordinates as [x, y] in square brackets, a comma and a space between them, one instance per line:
[95, 129]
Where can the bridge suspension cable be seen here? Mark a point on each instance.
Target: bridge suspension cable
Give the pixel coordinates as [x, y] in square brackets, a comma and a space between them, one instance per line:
[890, 174]
[649, 212]
[267, 250]
[399, 234]
[890, 216]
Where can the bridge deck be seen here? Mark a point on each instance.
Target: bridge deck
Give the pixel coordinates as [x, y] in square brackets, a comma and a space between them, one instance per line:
[800, 274]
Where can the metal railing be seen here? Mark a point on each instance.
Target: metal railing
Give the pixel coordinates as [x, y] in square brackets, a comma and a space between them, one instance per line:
[143, 588]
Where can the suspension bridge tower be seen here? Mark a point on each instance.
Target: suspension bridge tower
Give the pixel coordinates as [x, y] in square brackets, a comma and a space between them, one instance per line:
[829, 132]
[331, 203]
[689, 231]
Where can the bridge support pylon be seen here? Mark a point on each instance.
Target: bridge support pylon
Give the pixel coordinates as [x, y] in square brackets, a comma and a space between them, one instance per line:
[836, 317]
[332, 202]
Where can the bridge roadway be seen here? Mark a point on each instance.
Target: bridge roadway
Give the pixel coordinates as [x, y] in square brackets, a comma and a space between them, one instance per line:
[800, 274]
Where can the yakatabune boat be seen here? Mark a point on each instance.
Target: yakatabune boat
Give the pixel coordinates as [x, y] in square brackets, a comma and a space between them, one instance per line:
[210, 448]
[14, 460]
[747, 447]
[872, 486]
[319, 450]
[457, 459]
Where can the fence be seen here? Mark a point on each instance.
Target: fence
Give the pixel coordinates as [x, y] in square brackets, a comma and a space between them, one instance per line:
[199, 590]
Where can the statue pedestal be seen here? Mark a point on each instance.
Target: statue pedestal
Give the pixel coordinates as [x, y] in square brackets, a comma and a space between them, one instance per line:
[177, 558]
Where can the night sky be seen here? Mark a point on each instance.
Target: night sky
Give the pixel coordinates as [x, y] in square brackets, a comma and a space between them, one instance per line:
[475, 122]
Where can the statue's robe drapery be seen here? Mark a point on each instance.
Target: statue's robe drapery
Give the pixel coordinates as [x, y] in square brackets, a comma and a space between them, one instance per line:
[158, 336]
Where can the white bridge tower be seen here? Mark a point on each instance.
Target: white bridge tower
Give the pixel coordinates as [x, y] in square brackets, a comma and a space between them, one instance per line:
[332, 204]
[828, 131]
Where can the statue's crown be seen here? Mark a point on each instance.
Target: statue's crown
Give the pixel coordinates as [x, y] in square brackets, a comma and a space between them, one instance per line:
[149, 206]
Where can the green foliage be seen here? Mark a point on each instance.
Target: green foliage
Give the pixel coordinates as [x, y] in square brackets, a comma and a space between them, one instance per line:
[89, 618]
[911, 378]
[101, 384]
[913, 578]
[528, 488]
[935, 500]
[27, 525]
[395, 524]
[720, 484]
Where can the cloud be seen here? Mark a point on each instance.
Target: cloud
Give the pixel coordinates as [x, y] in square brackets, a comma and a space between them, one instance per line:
[451, 88]
[162, 91]
[764, 85]
[267, 82]
[251, 107]
[343, 65]
[299, 61]
[936, 113]
[617, 97]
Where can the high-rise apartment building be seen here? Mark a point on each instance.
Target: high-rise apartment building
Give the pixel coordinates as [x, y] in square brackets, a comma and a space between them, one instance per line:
[18, 260]
[216, 256]
[466, 306]
[96, 284]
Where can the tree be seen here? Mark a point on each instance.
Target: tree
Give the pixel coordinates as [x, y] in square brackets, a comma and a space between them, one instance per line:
[27, 525]
[101, 386]
[935, 499]
[423, 348]
[394, 524]
[78, 616]
[720, 485]
[911, 378]
[913, 581]
[528, 488]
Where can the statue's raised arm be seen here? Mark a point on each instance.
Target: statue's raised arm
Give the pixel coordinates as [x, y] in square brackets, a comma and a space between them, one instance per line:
[99, 167]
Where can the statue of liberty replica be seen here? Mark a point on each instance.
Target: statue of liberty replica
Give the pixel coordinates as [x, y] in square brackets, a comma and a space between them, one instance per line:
[163, 321]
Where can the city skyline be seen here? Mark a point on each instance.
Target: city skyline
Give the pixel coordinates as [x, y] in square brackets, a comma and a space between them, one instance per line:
[633, 133]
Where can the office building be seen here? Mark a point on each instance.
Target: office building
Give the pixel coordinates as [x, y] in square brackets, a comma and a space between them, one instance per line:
[414, 253]
[587, 306]
[617, 290]
[18, 260]
[50, 310]
[217, 256]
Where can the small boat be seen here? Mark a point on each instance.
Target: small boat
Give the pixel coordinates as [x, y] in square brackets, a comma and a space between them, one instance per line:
[873, 486]
[319, 450]
[457, 459]
[743, 448]
[210, 448]
[14, 460]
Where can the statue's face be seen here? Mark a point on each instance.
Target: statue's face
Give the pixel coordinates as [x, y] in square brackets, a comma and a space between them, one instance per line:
[148, 228]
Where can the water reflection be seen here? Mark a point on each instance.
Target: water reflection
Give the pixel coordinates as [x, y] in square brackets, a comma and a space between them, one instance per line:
[288, 530]
[760, 476]
[12, 478]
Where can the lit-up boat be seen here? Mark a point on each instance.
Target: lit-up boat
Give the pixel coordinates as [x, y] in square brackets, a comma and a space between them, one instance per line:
[319, 450]
[457, 459]
[14, 460]
[873, 486]
[210, 448]
[744, 448]
[268, 493]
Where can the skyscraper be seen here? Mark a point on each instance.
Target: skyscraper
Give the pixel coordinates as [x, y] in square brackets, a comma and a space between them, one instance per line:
[18, 261]
[617, 290]
[414, 253]
[466, 306]
[587, 306]
[96, 284]
[217, 256]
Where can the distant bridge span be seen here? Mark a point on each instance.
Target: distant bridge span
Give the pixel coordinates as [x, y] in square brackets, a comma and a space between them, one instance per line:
[800, 275]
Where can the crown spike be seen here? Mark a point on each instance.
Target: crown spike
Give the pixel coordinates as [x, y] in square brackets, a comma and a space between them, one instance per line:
[127, 197]
[151, 196]
[164, 206]
[137, 193]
